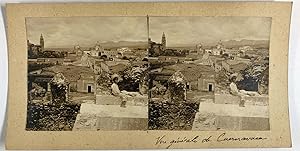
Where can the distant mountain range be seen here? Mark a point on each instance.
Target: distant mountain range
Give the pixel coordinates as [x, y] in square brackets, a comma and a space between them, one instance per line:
[230, 44]
[244, 42]
[144, 44]
[110, 44]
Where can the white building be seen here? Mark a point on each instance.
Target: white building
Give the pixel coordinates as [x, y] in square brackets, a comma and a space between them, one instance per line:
[96, 51]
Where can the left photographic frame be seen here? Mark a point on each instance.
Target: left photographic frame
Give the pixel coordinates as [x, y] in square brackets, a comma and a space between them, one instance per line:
[87, 73]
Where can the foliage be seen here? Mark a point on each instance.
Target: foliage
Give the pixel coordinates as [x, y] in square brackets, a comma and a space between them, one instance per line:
[103, 83]
[174, 52]
[222, 78]
[59, 88]
[51, 118]
[131, 78]
[144, 82]
[254, 75]
[177, 91]
[32, 54]
[36, 92]
[158, 90]
[177, 86]
[58, 94]
[248, 83]
[172, 115]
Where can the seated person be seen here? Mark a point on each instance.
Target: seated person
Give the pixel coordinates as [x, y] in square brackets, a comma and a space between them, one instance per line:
[241, 93]
[122, 94]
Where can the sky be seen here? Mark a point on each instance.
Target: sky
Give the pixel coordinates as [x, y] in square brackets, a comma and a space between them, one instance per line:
[194, 30]
[86, 31]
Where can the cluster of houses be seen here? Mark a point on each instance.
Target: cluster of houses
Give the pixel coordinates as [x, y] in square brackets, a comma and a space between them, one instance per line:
[200, 66]
[80, 68]
[196, 77]
[110, 54]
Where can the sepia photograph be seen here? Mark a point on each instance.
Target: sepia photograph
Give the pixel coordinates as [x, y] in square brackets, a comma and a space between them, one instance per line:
[87, 73]
[155, 75]
[148, 73]
[209, 73]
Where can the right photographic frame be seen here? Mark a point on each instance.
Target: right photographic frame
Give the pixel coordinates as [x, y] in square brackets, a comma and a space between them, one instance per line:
[208, 73]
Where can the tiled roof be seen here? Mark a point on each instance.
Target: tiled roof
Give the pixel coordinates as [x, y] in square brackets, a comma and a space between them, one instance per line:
[117, 68]
[191, 71]
[238, 67]
[72, 73]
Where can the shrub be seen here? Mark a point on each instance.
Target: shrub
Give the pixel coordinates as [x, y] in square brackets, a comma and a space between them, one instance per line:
[172, 115]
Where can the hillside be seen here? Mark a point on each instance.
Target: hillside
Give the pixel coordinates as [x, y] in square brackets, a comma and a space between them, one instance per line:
[244, 42]
[107, 45]
[230, 44]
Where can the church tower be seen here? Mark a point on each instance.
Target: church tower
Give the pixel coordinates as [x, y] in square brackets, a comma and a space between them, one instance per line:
[164, 41]
[42, 42]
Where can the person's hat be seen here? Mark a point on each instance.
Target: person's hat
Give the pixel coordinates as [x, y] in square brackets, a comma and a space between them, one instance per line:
[116, 76]
[238, 76]
[234, 75]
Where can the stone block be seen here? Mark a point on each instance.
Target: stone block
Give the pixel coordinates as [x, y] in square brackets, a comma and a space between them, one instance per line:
[85, 122]
[114, 110]
[117, 123]
[234, 110]
[108, 100]
[213, 116]
[226, 99]
[204, 122]
[236, 123]
[111, 117]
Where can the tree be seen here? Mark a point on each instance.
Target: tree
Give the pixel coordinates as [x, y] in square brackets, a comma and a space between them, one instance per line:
[253, 75]
[59, 89]
[158, 90]
[144, 84]
[131, 78]
[103, 83]
[177, 87]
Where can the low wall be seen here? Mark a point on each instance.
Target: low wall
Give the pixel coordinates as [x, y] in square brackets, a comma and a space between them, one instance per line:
[107, 100]
[262, 100]
[242, 123]
[213, 116]
[108, 123]
[85, 122]
[114, 100]
[111, 117]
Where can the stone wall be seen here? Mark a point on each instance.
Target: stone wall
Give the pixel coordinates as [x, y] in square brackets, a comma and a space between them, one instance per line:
[204, 81]
[226, 114]
[111, 117]
[82, 85]
[261, 100]
[114, 100]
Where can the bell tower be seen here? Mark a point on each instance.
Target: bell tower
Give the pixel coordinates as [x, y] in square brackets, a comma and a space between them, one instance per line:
[164, 41]
[42, 44]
